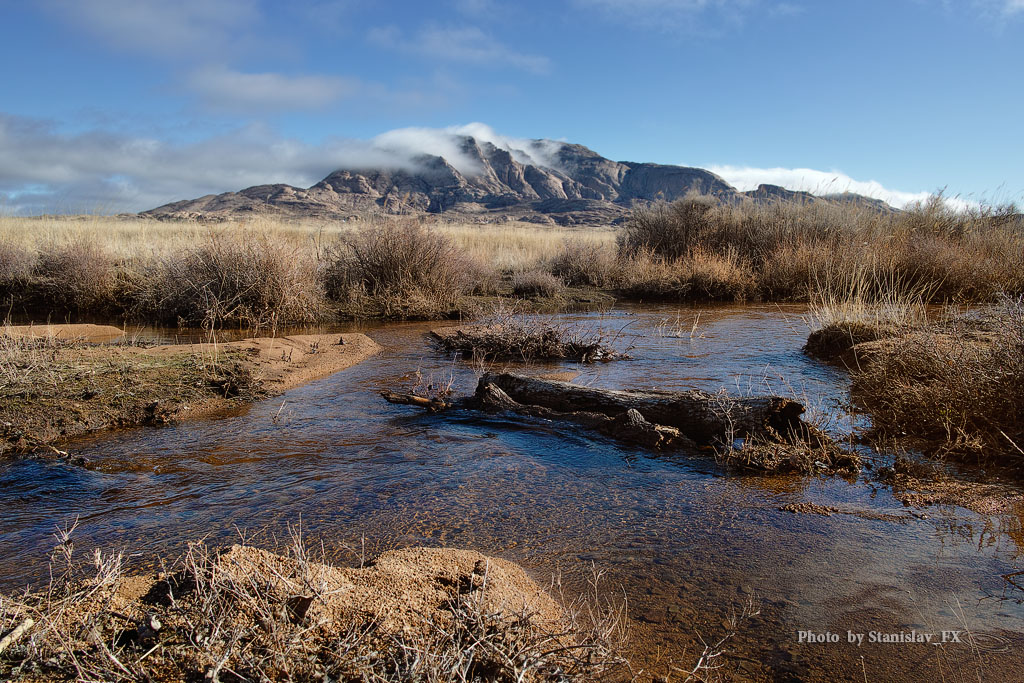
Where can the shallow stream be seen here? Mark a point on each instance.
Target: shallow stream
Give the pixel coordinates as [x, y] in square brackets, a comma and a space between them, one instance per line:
[687, 543]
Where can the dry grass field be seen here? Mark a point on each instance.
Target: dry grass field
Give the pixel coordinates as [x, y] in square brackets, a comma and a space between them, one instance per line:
[263, 272]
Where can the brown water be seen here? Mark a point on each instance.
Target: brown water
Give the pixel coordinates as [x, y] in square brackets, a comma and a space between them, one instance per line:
[686, 543]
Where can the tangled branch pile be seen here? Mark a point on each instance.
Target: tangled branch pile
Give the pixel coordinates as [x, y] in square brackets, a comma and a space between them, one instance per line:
[508, 336]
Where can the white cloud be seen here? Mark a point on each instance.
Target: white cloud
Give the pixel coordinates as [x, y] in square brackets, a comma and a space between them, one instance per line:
[745, 178]
[225, 88]
[43, 170]
[181, 29]
[1013, 6]
[460, 44]
[523, 150]
[407, 143]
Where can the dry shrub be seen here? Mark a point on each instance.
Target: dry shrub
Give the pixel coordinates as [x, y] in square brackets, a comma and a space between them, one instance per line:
[790, 272]
[16, 264]
[483, 278]
[969, 268]
[669, 231]
[956, 385]
[400, 270]
[699, 275]
[532, 283]
[237, 277]
[582, 263]
[76, 276]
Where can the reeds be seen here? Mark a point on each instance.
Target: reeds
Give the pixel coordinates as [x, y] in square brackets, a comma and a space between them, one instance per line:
[861, 305]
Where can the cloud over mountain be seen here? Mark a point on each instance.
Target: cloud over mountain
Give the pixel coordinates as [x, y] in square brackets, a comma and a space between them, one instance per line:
[746, 178]
[44, 169]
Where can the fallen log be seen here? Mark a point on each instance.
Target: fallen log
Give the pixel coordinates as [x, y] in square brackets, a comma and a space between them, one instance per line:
[774, 437]
[629, 426]
[685, 417]
[704, 418]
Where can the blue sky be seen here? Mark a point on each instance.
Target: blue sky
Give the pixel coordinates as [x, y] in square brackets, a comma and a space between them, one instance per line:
[116, 105]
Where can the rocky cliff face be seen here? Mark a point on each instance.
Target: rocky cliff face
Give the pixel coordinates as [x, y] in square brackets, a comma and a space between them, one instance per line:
[549, 182]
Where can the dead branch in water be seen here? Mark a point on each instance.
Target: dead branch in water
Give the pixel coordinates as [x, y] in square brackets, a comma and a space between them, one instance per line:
[431, 404]
[661, 419]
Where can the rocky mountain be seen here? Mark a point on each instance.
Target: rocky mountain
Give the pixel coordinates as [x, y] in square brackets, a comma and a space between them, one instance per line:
[549, 182]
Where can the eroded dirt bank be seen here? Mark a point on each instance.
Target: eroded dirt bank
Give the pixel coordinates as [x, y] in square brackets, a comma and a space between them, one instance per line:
[56, 385]
[282, 363]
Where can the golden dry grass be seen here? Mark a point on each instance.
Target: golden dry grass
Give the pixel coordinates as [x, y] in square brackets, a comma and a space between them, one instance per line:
[279, 271]
[508, 246]
[263, 272]
[795, 251]
[950, 386]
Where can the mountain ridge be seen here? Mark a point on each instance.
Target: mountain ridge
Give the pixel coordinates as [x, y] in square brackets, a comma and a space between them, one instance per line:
[547, 182]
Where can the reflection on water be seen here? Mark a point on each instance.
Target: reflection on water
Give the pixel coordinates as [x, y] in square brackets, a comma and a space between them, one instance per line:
[687, 544]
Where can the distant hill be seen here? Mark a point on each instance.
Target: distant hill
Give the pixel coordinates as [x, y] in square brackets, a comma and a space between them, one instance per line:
[547, 182]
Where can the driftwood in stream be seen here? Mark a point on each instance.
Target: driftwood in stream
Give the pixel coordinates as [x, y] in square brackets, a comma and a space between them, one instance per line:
[431, 404]
[702, 417]
[656, 418]
[629, 426]
[774, 437]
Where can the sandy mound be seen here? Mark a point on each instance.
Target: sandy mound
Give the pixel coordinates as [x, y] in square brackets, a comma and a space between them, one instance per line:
[399, 591]
[248, 614]
[70, 332]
